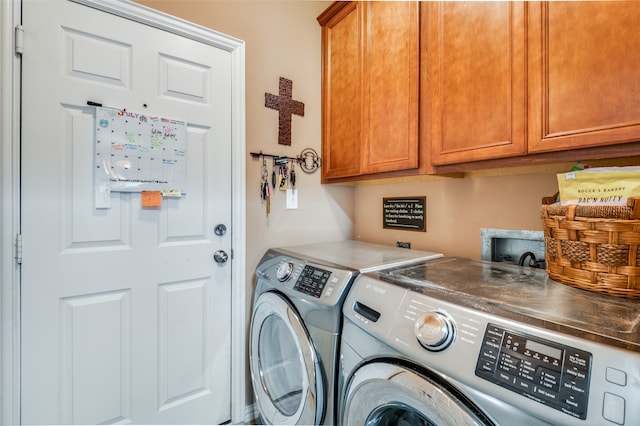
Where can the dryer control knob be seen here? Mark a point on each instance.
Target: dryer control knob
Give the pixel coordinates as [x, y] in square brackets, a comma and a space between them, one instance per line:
[435, 330]
[284, 271]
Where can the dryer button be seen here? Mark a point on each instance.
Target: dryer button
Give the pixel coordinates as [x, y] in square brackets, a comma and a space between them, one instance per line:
[616, 376]
[613, 408]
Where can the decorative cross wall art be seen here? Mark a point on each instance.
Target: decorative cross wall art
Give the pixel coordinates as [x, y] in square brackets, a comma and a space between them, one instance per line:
[286, 107]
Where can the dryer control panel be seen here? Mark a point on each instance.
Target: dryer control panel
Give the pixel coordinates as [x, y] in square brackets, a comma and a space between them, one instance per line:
[312, 280]
[304, 279]
[547, 372]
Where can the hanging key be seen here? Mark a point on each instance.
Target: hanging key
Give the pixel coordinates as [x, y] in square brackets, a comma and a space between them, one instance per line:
[292, 178]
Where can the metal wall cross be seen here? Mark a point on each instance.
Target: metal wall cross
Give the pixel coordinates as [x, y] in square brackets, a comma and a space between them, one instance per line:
[286, 107]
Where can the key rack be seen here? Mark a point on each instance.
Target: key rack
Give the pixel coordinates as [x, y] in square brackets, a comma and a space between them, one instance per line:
[308, 160]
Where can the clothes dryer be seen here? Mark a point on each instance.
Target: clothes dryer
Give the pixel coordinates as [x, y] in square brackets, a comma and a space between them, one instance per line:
[297, 320]
[462, 342]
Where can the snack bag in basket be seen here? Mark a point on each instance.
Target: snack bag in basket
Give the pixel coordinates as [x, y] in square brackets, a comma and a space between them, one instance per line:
[600, 186]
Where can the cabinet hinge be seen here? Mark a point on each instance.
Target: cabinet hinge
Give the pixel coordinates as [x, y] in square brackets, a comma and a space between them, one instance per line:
[19, 249]
[19, 39]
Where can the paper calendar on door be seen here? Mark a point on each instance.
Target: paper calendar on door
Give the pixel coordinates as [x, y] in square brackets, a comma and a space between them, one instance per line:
[136, 152]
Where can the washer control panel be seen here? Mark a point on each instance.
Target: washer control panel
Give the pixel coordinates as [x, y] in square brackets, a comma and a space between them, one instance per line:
[546, 372]
[312, 280]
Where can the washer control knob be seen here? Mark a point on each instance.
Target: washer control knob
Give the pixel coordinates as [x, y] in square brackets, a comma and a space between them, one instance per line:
[284, 271]
[435, 330]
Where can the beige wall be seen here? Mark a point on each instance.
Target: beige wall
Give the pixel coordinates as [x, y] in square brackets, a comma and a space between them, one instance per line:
[457, 209]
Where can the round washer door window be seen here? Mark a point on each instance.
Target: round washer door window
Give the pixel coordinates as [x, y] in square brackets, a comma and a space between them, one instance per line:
[381, 394]
[284, 366]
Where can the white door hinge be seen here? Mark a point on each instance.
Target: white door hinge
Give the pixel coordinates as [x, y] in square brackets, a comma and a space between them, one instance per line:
[19, 249]
[19, 40]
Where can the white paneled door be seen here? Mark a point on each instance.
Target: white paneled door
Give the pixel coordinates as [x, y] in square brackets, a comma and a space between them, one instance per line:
[125, 315]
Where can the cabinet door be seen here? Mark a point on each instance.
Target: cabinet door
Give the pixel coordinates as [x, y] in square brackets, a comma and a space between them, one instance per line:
[370, 87]
[584, 74]
[473, 86]
[391, 67]
[342, 90]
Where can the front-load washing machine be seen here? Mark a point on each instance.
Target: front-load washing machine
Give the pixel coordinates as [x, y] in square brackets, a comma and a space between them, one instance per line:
[296, 323]
[462, 342]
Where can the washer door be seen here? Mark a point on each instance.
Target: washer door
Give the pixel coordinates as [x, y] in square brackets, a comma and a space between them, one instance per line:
[285, 370]
[387, 394]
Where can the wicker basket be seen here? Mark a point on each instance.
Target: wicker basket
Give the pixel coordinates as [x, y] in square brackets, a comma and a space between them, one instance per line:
[594, 248]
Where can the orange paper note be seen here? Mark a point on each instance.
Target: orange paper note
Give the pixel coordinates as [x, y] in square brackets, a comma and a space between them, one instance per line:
[151, 198]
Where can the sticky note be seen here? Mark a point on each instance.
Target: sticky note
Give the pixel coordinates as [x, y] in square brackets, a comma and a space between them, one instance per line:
[151, 198]
[172, 193]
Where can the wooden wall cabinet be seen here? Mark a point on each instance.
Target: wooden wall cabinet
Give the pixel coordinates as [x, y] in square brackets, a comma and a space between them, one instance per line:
[370, 88]
[473, 89]
[519, 83]
[584, 74]
[444, 87]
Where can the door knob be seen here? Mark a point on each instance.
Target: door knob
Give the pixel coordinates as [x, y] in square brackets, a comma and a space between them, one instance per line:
[220, 230]
[220, 256]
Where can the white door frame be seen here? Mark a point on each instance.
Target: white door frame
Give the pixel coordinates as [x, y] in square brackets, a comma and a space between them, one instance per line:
[9, 215]
[10, 17]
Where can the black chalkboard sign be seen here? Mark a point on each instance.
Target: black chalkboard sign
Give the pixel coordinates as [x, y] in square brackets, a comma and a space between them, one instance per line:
[408, 213]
